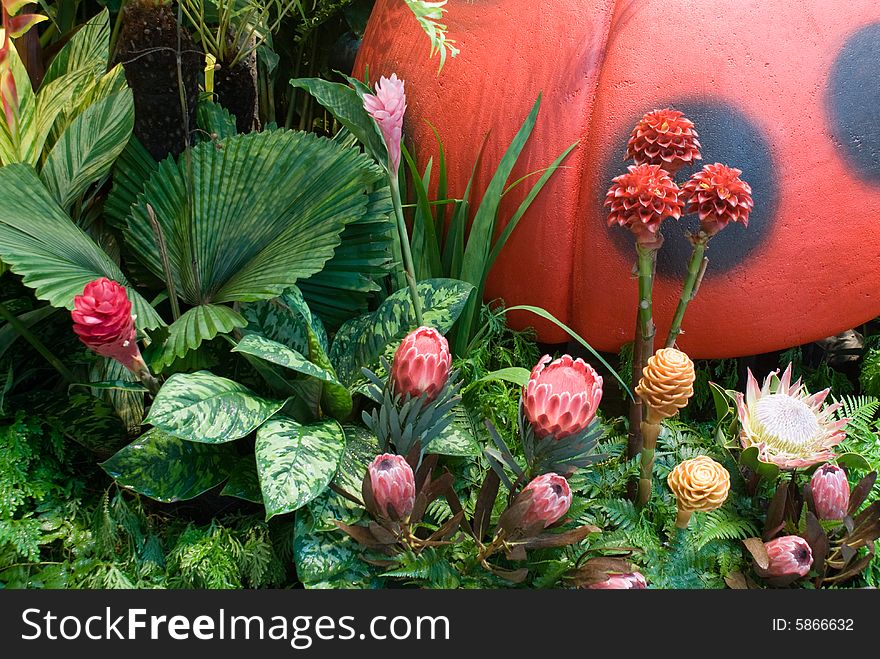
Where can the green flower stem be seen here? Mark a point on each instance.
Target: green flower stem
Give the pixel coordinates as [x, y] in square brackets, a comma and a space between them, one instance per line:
[38, 345]
[403, 238]
[643, 347]
[650, 432]
[696, 268]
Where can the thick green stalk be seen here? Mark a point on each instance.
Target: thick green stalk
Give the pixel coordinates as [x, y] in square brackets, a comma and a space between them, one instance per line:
[643, 347]
[38, 345]
[696, 267]
[403, 238]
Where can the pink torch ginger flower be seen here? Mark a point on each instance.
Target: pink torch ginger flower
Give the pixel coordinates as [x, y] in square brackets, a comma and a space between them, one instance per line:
[789, 555]
[719, 196]
[393, 484]
[551, 499]
[102, 319]
[664, 137]
[561, 397]
[790, 427]
[628, 581]
[421, 364]
[387, 108]
[830, 489]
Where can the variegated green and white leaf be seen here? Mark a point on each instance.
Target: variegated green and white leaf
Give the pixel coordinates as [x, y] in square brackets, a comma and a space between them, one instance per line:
[201, 323]
[54, 256]
[86, 150]
[361, 447]
[285, 319]
[203, 407]
[88, 49]
[244, 482]
[361, 341]
[461, 438]
[272, 351]
[169, 469]
[296, 462]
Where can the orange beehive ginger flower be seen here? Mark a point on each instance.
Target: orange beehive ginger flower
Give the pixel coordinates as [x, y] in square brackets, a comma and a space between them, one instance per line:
[666, 138]
[699, 484]
[667, 383]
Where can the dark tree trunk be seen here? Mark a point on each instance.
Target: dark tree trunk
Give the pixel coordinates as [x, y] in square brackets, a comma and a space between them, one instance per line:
[236, 89]
[148, 46]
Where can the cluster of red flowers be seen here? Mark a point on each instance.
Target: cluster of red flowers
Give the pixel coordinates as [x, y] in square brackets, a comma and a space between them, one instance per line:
[663, 142]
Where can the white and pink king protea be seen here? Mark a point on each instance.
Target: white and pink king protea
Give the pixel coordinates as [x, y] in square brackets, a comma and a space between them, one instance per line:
[422, 363]
[790, 427]
[393, 484]
[562, 396]
[551, 499]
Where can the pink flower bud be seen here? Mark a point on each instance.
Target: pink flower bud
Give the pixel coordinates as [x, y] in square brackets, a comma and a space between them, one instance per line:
[628, 581]
[102, 319]
[789, 555]
[562, 398]
[421, 364]
[551, 499]
[830, 492]
[387, 108]
[393, 484]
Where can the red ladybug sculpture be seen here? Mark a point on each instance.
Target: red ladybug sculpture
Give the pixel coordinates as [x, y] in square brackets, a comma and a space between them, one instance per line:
[787, 91]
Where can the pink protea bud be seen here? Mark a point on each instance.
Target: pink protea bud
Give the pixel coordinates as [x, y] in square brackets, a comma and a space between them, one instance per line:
[830, 489]
[387, 108]
[628, 581]
[393, 483]
[102, 319]
[561, 397]
[789, 555]
[551, 499]
[421, 364]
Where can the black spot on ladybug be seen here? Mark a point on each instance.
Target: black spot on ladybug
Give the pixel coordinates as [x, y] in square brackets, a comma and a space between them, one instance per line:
[854, 102]
[727, 136]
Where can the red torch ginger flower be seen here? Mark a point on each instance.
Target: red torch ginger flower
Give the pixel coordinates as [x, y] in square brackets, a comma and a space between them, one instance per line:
[641, 199]
[666, 138]
[102, 319]
[561, 397]
[830, 489]
[421, 364]
[628, 581]
[789, 555]
[551, 499]
[393, 484]
[387, 108]
[790, 427]
[719, 196]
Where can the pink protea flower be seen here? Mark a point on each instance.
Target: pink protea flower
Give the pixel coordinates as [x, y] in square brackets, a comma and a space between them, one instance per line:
[393, 484]
[387, 108]
[789, 555]
[641, 199]
[102, 319]
[628, 581]
[421, 364]
[551, 499]
[790, 427]
[664, 137]
[830, 489]
[561, 397]
[719, 196]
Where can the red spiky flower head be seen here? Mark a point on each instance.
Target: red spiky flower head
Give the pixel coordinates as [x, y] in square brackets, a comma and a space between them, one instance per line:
[641, 199]
[102, 320]
[664, 137]
[720, 197]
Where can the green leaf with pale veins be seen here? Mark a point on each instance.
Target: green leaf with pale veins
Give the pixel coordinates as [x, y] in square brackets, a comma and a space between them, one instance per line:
[169, 469]
[244, 482]
[361, 341]
[203, 407]
[272, 351]
[296, 462]
[201, 323]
